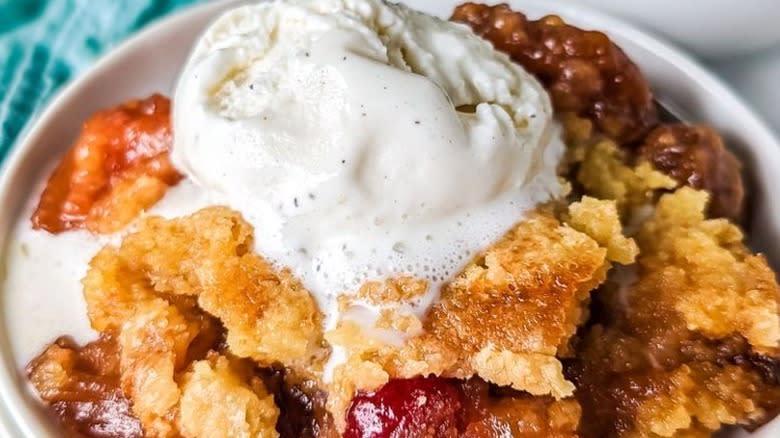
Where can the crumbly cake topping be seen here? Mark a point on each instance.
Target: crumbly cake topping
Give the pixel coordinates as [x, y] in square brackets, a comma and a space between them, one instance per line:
[205, 260]
[683, 342]
[504, 318]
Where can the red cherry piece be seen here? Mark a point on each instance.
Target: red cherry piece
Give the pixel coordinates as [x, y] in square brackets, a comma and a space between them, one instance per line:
[406, 408]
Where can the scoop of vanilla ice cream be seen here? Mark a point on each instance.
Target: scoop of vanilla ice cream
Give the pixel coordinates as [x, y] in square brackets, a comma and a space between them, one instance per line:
[363, 139]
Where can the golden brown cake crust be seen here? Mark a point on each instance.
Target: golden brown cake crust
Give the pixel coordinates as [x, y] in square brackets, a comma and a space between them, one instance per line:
[207, 257]
[518, 303]
[169, 289]
[221, 398]
[506, 317]
[687, 340]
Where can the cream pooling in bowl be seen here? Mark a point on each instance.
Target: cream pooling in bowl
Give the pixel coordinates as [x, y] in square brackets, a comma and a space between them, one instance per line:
[362, 139]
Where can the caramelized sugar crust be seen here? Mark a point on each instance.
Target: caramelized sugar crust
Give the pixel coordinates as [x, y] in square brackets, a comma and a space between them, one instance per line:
[696, 156]
[583, 71]
[118, 167]
[687, 340]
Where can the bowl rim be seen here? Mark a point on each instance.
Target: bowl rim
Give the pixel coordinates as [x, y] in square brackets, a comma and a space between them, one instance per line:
[17, 420]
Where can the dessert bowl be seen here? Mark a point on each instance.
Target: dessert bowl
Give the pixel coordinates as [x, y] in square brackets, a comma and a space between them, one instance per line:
[151, 62]
[688, 25]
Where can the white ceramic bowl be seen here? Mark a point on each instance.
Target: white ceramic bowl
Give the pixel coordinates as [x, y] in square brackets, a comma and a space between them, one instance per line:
[757, 78]
[710, 28]
[150, 62]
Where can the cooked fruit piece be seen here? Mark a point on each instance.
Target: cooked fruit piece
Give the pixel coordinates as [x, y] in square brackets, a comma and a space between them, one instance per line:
[583, 71]
[301, 403]
[447, 408]
[117, 168]
[81, 387]
[696, 156]
[406, 408]
[492, 412]
[687, 340]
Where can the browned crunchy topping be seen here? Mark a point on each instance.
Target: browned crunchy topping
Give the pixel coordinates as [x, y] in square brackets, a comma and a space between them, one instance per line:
[167, 291]
[223, 398]
[512, 310]
[696, 156]
[505, 318]
[205, 260]
[686, 340]
[583, 71]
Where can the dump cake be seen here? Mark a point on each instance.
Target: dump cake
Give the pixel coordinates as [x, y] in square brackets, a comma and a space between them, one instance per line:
[374, 223]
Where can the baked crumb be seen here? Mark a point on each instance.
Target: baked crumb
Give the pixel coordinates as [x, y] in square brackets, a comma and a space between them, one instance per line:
[223, 399]
[523, 297]
[153, 349]
[170, 288]
[207, 256]
[728, 290]
[504, 318]
[601, 221]
[392, 291]
[691, 341]
[604, 174]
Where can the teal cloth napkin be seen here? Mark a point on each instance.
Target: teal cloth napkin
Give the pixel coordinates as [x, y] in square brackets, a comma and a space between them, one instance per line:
[44, 43]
